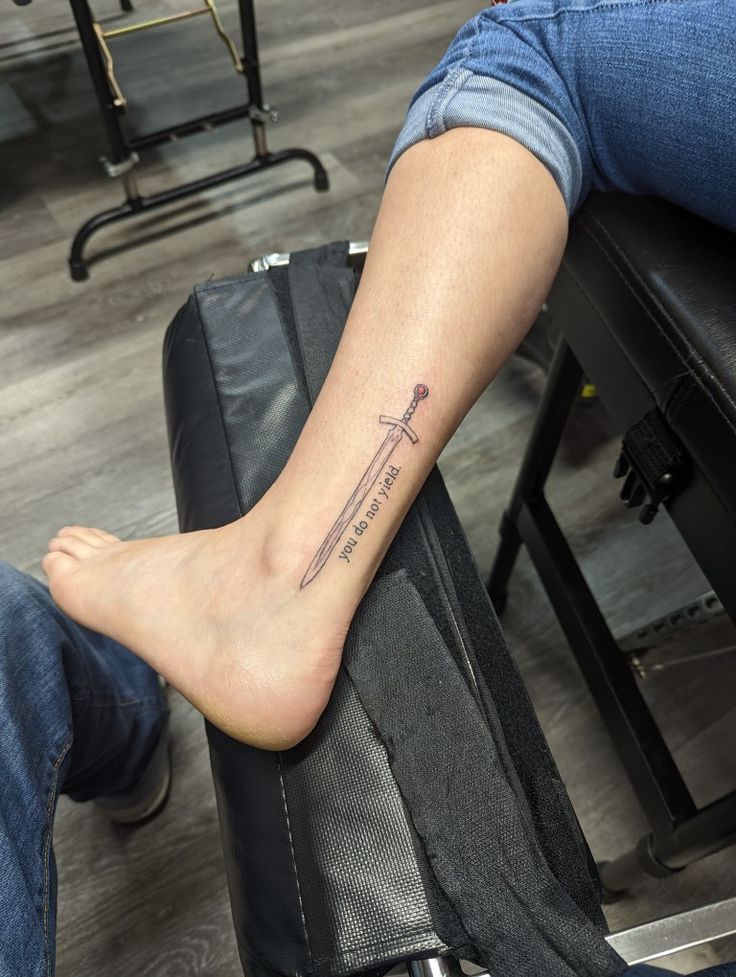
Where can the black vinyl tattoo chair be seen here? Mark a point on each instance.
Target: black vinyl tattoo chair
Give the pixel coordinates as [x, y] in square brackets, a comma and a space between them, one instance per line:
[644, 305]
[423, 821]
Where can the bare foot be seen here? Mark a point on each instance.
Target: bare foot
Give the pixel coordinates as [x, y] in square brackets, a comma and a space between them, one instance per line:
[217, 616]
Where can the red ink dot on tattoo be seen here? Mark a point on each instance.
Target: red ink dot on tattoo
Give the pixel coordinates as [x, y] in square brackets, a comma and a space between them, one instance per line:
[421, 391]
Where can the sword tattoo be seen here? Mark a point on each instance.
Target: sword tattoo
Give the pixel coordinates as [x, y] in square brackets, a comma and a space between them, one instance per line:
[399, 428]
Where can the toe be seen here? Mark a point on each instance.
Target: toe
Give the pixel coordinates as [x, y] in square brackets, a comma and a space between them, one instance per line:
[105, 536]
[93, 537]
[74, 546]
[55, 562]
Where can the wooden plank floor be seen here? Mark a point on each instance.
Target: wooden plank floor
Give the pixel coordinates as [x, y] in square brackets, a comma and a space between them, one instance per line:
[83, 437]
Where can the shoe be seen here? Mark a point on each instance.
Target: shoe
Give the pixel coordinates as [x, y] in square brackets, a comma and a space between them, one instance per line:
[149, 795]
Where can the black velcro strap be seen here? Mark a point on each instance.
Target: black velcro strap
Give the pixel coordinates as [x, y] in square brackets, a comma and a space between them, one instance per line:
[654, 448]
[446, 763]
[653, 462]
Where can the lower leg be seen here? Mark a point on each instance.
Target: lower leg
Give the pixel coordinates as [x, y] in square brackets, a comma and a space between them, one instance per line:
[469, 236]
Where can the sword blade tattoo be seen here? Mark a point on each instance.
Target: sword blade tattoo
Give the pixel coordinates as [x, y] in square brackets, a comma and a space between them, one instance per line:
[399, 428]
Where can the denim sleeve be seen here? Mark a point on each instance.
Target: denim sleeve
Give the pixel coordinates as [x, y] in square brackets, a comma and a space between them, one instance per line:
[495, 77]
[630, 95]
[463, 98]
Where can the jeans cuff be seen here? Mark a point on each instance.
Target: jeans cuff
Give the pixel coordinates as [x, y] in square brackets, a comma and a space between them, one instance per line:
[464, 98]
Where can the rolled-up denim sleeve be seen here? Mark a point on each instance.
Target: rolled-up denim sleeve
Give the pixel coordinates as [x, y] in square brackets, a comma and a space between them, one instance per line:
[501, 72]
[637, 96]
[465, 98]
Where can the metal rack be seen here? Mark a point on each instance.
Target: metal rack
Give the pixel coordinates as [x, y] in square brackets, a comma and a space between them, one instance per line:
[124, 150]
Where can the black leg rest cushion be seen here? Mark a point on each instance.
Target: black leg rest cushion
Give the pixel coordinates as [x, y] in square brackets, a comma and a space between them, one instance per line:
[424, 812]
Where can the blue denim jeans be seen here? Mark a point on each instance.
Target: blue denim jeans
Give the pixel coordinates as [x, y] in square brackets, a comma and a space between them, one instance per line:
[630, 95]
[78, 715]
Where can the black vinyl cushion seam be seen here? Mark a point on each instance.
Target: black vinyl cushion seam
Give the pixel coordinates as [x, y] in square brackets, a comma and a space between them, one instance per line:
[293, 861]
[231, 465]
[169, 342]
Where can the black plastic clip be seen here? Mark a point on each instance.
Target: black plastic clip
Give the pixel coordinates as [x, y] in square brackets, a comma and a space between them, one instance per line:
[654, 464]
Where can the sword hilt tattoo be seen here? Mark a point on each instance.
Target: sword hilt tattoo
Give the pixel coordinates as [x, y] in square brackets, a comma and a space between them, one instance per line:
[399, 428]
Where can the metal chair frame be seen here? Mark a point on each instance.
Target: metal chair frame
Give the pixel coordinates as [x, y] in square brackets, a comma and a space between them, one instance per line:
[124, 150]
[681, 832]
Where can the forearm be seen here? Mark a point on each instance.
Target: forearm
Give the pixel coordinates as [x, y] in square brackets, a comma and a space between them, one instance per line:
[468, 239]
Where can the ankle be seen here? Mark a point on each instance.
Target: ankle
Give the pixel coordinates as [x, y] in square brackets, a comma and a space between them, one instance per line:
[274, 533]
[289, 538]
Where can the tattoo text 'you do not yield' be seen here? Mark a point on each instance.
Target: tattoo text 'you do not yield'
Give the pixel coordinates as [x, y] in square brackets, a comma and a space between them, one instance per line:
[361, 502]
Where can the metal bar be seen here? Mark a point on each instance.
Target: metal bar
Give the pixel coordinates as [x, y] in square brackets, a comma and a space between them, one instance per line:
[252, 73]
[250, 52]
[560, 392]
[121, 148]
[119, 101]
[671, 934]
[208, 8]
[145, 25]
[85, 26]
[224, 36]
[77, 262]
[681, 620]
[189, 127]
[658, 783]
[435, 967]
[711, 829]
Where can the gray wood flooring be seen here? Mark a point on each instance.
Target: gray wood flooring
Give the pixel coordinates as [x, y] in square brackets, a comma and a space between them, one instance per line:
[82, 430]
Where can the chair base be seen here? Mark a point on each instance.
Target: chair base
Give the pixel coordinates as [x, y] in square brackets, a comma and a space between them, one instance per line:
[135, 205]
[123, 154]
[681, 833]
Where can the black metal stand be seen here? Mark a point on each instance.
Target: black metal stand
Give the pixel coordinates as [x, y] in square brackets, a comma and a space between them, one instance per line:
[123, 151]
[681, 833]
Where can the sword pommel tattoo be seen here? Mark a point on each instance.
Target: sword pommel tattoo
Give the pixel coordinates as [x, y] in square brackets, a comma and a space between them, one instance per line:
[399, 428]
